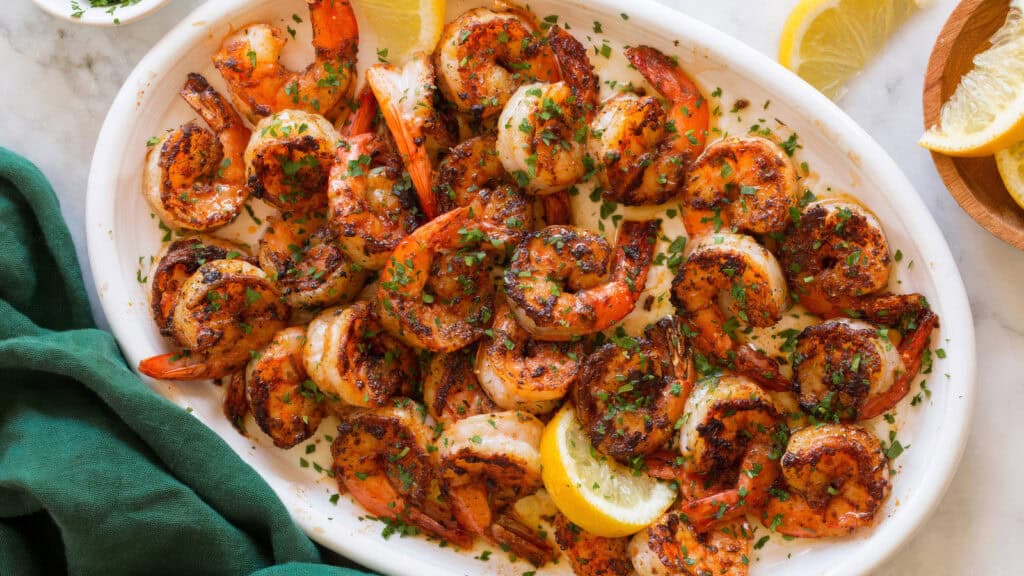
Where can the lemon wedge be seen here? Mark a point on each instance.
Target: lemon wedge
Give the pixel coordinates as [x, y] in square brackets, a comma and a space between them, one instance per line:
[1011, 167]
[827, 42]
[403, 27]
[986, 112]
[595, 492]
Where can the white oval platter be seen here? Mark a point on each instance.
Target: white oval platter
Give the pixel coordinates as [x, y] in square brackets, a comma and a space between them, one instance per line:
[122, 235]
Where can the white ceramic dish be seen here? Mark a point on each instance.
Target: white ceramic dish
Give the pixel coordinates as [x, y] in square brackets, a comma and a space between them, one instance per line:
[121, 232]
[80, 11]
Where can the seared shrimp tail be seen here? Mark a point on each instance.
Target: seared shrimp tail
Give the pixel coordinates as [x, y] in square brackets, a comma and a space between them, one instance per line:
[406, 98]
[335, 30]
[911, 351]
[365, 115]
[634, 251]
[174, 366]
[521, 540]
[761, 368]
[576, 70]
[213, 109]
[236, 404]
[689, 108]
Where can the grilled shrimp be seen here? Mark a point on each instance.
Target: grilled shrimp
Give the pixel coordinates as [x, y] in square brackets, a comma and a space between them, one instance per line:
[630, 393]
[591, 555]
[565, 282]
[840, 365]
[382, 458]
[646, 150]
[489, 461]
[757, 475]
[288, 160]
[733, 272]
[436, 291]
[484, 55]
[838, 264]
[671, 546]
[728, 459]
[406, 99]
[305, 258]
[451, 390]
[191, 181]
[287, 405]
[542, 131]
[471, 173]
[261, 86]
[837, 477]
[835, 256]
[175, 264]
[521, 373]
[723, 419]
[351, 358]
[746, 184]
[370, 200]
[225, 311]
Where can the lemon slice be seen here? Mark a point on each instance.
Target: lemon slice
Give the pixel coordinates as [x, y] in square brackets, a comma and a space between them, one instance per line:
[403, 27]
[827, 42]
[986, 112]
[593, 491]
[1011, 167]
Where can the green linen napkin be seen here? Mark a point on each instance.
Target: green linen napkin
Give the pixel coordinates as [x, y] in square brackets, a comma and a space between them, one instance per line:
[99, 474]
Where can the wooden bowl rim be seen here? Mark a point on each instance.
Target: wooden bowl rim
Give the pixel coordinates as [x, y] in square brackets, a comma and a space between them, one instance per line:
[932, 104]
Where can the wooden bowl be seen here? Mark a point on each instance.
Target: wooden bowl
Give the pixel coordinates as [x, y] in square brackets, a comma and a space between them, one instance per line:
[974, 182]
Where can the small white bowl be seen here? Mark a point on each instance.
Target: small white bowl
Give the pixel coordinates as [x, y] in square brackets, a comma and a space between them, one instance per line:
[82, 12]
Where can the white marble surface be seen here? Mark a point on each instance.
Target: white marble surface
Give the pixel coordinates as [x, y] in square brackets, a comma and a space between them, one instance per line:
[61, 78]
